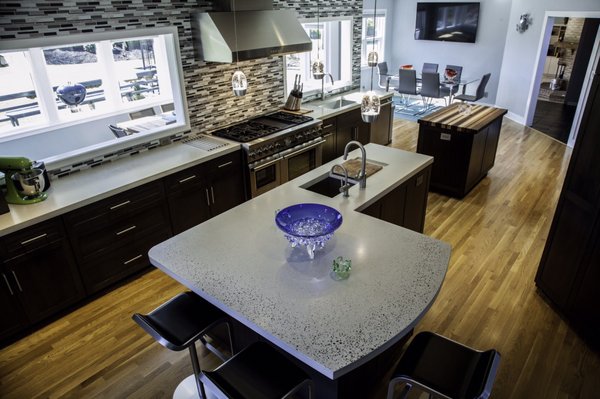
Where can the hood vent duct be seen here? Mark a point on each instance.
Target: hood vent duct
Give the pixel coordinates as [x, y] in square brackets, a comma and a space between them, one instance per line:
[262, 32]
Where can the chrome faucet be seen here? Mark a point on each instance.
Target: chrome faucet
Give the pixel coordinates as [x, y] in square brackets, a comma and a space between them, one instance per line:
[323, 84]
[345, 186]
[362, 177]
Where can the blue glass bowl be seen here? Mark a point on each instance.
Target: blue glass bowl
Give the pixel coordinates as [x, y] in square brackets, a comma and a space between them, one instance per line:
[309, 225]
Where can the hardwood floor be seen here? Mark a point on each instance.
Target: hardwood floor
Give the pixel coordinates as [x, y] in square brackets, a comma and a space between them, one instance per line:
[488, 299]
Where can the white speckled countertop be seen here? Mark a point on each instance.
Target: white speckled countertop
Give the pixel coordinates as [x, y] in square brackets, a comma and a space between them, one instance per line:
[83, 188]
[241, 262]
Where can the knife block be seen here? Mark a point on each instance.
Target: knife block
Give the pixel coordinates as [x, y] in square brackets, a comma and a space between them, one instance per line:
[293, 103]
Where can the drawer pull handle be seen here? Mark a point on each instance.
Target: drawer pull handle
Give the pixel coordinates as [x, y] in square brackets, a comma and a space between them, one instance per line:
[8, 285]
[207, 198]
[126, 230]
[33, 239]
[327, 126]
[225, 164]
[17, 281]
[212, 194]
[132, 260]
[120, 205]
[445, 136]
[187, 179]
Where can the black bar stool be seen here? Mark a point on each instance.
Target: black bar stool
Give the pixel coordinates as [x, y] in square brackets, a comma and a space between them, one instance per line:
[177, 324]
[259, 371]
[445, 368]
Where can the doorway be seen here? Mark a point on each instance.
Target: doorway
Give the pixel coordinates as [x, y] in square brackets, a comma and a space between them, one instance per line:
[568, 52]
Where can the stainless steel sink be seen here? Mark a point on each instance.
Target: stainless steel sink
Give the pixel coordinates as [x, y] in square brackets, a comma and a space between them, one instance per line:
[325, 185]
[339, 103]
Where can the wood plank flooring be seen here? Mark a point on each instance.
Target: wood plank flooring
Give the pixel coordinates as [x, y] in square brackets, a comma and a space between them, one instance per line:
[488, 299]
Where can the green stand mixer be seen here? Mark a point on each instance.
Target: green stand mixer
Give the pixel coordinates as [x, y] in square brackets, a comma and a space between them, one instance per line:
[24, 183]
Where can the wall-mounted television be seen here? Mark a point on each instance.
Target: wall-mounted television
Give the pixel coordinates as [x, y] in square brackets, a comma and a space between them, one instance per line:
[449, 22]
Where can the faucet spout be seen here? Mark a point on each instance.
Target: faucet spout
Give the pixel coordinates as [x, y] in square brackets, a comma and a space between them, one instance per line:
[323, 84]
[362, 177]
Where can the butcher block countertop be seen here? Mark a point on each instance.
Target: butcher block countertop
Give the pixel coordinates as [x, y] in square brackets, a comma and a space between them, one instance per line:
[451, 119]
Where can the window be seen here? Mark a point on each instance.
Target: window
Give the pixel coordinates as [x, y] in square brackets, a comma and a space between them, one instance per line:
[335, 40]
[373, 35]
[60, 82]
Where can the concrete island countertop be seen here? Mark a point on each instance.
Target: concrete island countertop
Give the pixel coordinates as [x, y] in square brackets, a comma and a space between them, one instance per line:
[91, 185]
[241, 262]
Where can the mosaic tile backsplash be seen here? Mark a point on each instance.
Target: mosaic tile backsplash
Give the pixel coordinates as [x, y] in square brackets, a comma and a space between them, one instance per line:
[211, 104]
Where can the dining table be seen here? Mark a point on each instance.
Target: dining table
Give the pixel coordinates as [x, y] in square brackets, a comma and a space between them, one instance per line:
[345, 333]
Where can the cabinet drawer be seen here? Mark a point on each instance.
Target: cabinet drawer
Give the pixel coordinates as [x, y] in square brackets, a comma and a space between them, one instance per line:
[114, 209]
[329, 126]
[121, 233]
[113, 266]
[33, 237]
[187, 179]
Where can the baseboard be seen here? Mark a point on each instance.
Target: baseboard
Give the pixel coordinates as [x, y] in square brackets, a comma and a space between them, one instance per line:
[515, 118]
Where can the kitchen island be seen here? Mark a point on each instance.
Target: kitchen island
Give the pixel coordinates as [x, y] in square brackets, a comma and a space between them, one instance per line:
[240, 262]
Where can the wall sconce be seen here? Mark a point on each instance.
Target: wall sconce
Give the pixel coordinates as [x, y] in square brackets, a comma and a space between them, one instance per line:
[524, 23]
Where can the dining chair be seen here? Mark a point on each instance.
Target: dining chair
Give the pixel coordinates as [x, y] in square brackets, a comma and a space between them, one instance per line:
[479, 93]
[429, 67]
[430, 89]
[384, 77]
[117, 131]
[407, 85]
[445, 369]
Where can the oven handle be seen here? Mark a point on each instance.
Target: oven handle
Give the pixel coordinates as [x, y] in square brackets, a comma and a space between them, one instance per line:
[303, 149]
[265, 165]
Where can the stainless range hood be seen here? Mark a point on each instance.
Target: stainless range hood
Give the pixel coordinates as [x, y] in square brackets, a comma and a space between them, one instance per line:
[260, 33]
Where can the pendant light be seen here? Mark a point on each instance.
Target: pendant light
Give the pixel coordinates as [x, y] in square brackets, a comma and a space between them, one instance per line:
[370, 104]
[239, 83]
[318, 68]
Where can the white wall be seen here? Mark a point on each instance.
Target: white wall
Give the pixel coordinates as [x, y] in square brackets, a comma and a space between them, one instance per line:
[521, 51]
[483, 56]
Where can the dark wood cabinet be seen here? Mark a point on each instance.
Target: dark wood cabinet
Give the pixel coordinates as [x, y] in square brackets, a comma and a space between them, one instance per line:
[569, 271]
[405, 205]
[39, 275]
[204, 191]
[380, 131]
[329, 131]
[110, 238]
[463, 151]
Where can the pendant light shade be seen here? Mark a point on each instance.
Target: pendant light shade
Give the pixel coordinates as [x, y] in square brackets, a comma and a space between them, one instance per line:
[369, 107]
[370, 104]
[239, 83]
[318, 69]
[373, 59]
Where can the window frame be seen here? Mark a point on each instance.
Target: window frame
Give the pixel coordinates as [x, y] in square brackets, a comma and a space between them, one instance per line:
[344, 51]
[365, 41]
[175, 70]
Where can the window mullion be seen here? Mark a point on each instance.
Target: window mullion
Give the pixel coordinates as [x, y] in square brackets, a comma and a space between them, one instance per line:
[110, 81]
[42, 85]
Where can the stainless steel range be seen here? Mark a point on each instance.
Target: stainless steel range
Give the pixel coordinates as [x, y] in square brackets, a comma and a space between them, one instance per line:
[278, 147]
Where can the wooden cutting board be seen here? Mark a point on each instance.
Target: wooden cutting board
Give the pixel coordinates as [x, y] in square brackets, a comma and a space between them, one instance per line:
[353, 168]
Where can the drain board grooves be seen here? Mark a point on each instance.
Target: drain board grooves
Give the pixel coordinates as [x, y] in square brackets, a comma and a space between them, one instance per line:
[205, 143]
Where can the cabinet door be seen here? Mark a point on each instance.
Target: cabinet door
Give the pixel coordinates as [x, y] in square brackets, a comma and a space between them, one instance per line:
[188, 198]
[392, 209]
[226, 185]
[417, 190]
[11, 314]
[329, 131]
[46, 279]
[348, 129]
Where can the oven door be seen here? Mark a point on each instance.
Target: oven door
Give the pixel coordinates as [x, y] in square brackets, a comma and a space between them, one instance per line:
[302, 160]
[265, 176]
